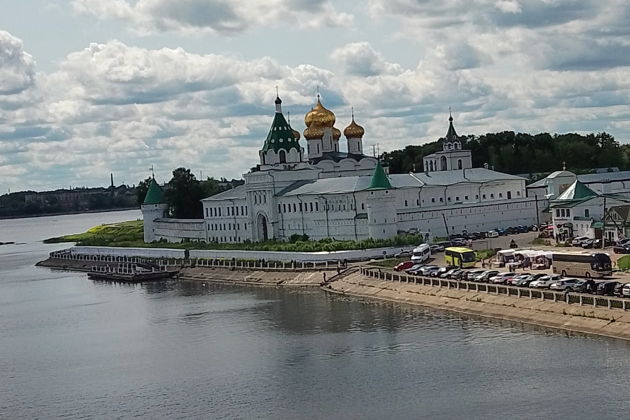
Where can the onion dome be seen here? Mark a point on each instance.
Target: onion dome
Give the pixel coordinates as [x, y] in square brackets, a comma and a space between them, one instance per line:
[336, 133]
[280, 134]
[315, 131]
[320, 116]
[354, 130]
[296, 134]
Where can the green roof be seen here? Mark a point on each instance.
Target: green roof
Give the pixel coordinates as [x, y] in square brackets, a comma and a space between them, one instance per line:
[280, 135]
[451, 135]
[154, 194]
[577, 191]
[380, 181]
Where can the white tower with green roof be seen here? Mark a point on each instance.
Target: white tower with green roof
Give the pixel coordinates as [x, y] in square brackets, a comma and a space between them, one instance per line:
[381, 206]
[281, 145]
[153, 207]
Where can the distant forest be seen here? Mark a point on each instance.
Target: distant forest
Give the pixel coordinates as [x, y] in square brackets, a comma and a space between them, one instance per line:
[522, 153]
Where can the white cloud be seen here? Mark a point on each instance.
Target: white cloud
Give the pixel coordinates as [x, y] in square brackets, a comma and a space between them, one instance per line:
[17, 68]
[220, 16]
[360, 59]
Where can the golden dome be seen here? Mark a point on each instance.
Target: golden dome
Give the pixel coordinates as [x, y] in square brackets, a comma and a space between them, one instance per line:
[354, 130]
[319, 115]
[315, 131]
[296, 134]
[336, 133]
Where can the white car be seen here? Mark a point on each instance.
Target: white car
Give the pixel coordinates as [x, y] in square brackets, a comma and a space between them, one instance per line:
[492, 234]
[625, 290]
[544, 282]
[564, 284]
[501, 278]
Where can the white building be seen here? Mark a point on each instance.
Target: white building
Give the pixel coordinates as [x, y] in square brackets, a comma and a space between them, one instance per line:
[327, 193]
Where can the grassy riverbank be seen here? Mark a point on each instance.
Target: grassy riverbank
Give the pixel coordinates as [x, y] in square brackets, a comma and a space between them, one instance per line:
[130, 234]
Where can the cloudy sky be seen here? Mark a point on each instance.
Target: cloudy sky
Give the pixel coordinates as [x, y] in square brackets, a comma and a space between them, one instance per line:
[89, 87]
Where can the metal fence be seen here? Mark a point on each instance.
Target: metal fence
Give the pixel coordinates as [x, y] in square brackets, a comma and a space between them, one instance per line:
[497, 289]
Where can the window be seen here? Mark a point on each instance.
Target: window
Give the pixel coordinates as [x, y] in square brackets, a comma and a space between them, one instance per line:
[441, 199]
[509, 195]
[300, 206]
[282, 156]
[279, 208]
[492, 195]
[310, 205]
[316, 206]
[294, 208]
[557, 212]
[449, 199]
[465, 197]
[459, 164]
[206, 211]
[500, 195]
[484, 196]
[586, 213]
[433, 200]
[284, 208]
[406, 203]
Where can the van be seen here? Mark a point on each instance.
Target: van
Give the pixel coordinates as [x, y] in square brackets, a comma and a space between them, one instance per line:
[421, 253]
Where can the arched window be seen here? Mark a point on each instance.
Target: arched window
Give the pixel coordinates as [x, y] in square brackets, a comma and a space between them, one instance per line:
[282, 156]
[459, 164]
[443, 161]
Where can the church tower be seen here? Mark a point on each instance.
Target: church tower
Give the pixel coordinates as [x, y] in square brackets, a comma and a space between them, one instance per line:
[153, 207]
[381, 206]
[320, 133]
[354, 134]
[281, 145]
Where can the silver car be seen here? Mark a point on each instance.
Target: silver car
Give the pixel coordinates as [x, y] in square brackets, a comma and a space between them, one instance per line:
[564, 284]
[544, 282]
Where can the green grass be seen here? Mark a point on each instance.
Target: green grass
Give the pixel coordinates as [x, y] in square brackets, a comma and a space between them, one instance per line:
[117, 234]
[485, 254]
[130, 234]
[623, 263]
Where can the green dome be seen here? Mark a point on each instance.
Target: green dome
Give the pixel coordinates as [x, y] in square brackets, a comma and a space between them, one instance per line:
[154, 194]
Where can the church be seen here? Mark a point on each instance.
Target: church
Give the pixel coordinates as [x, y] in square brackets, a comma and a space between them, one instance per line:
[324, 192]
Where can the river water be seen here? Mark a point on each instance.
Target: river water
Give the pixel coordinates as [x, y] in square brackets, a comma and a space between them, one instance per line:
[76, 349]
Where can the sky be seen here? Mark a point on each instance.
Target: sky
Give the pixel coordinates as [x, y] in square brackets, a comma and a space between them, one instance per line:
[93, 87]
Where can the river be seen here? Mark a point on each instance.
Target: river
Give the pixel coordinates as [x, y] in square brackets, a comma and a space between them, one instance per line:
[76, 349]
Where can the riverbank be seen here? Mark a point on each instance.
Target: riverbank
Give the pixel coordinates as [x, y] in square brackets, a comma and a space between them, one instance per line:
[557, 315]
[256, 277]
[67, 213]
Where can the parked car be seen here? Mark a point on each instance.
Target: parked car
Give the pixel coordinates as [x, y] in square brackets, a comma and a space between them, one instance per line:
[619, 289]
[403, 253]
[406, 265]
[501, 278]
[426, 269]
[585, 286]
[436, 248]
[456, 274]
[532, 277]
[513, 281]
[441, 270]
[544, 282]
[458, 242]
[606, 288]
[414, 269]
[492, 234]
[588, 243]
[437, 271]
[565, 284]
[521, 229]
[578, 241]
[625, 290]
[446, 274]
[483, 277]
[623, 242]
[621, 249]
[471, 274]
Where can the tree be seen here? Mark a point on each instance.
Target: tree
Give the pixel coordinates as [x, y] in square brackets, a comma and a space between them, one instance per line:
[184, 195]
[141, 190]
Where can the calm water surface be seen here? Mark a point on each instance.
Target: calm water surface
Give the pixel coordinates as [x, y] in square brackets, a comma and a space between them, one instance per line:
[73, 348]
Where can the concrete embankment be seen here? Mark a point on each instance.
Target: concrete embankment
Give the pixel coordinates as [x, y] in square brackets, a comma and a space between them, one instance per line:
[559, 315]
[255, 277]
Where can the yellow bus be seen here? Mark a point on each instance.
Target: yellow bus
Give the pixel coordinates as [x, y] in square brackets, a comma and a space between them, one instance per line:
[459, 257]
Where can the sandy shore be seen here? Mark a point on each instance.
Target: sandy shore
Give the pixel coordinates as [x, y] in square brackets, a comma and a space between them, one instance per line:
[559, 315]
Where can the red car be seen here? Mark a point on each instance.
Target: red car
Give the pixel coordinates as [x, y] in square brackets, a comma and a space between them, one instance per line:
[404, 266]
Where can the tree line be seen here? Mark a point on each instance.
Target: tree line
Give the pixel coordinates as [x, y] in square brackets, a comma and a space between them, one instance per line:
[184, 192]
[522, 153]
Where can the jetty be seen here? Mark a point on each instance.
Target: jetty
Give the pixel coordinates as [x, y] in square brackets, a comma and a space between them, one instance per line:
[131, 273]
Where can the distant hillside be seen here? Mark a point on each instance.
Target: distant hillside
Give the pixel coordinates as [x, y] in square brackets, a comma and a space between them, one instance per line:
[521, 153]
